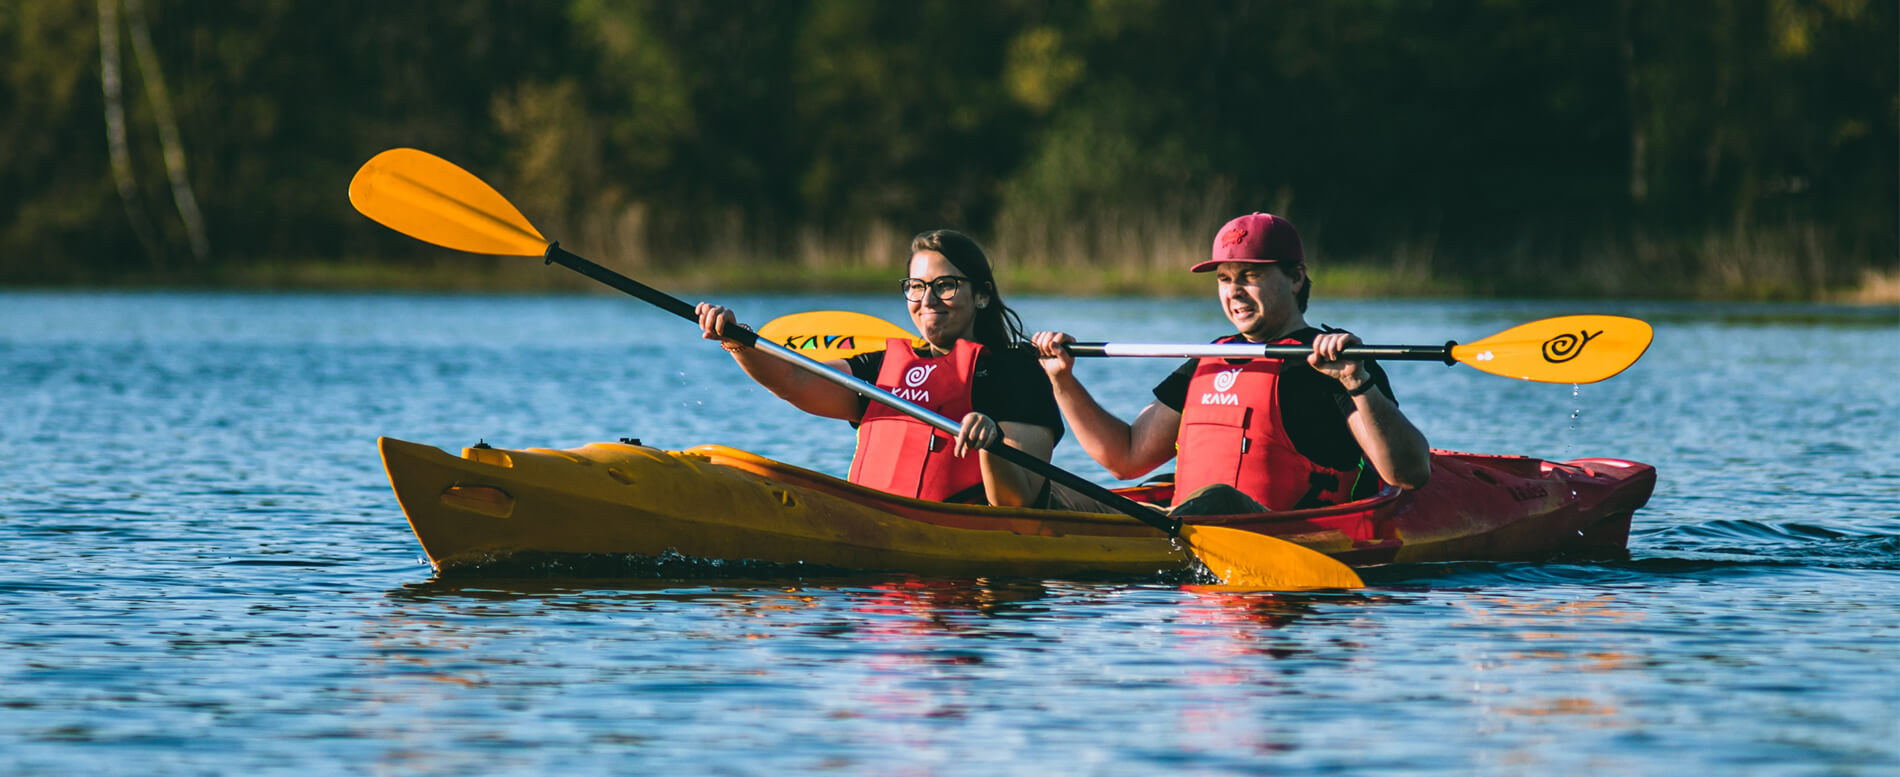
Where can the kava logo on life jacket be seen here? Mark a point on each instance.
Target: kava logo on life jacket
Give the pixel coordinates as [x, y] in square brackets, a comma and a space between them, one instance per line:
[1222, 383]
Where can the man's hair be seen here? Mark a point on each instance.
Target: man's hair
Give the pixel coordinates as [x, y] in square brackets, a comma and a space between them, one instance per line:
[1305, 291]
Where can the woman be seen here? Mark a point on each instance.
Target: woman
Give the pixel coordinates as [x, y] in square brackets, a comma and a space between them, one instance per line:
[974, 365]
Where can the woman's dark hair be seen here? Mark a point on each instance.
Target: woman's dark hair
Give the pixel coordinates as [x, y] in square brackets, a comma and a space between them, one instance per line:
[996, 325]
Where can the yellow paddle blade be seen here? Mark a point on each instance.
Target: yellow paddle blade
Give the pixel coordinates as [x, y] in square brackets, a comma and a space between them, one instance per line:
[833, 334]
[1243, 559]
[1566, 349]
[428, 198]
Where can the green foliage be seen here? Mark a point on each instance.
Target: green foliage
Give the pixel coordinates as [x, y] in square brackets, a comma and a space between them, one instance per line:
[1506, 146]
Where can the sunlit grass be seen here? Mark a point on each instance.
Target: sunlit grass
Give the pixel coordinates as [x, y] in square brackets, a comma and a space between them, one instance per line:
[1787, 265]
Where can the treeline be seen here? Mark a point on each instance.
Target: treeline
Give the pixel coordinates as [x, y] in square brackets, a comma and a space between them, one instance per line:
[1700, 147]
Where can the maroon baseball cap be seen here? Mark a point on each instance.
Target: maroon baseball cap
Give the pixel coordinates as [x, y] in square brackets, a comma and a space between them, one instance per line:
[1255, 237]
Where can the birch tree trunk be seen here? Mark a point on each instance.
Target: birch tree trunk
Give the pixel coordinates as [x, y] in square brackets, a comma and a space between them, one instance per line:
[122, 173]
[167, 129]
[1638, 109]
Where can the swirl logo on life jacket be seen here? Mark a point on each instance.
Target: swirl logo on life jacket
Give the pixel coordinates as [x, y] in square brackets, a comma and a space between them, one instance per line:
[1223, 383]
[1565, 347]
[1225, 380]
[914, 377]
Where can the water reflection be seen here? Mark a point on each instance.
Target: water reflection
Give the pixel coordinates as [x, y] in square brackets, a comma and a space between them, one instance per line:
[904, 618]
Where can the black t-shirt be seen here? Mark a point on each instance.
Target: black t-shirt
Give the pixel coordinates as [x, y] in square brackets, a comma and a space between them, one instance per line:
[1009, 385]
[1312, 406]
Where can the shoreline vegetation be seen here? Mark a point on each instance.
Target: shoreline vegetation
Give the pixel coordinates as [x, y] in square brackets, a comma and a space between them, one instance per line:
[1717, 269]
[510, 275]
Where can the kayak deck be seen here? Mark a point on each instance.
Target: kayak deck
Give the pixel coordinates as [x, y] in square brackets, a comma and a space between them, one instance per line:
[721, 504]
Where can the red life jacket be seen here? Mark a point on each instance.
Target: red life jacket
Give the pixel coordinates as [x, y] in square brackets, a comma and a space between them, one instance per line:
[902, 455]
[1232, 433]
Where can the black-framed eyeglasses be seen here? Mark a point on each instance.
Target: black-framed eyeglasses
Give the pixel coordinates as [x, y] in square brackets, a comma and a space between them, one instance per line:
[944, 287]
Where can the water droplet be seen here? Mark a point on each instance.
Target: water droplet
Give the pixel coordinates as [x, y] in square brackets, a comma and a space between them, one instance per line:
[1576, 414]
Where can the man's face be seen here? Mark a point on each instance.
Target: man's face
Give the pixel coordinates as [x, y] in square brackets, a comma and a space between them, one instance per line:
[1257, 297]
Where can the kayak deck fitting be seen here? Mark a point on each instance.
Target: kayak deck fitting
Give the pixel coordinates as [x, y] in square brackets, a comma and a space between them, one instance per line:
[719, 504]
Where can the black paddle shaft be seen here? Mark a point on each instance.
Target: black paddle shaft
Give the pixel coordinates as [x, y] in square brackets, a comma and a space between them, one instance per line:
[660, 299]
[557, 255]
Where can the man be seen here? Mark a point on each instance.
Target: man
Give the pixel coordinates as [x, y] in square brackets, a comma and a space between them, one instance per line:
[1255, 434]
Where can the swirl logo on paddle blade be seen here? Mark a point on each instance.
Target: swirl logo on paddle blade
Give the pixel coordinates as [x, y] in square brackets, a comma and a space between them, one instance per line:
[916, 376]
[1566, 346]
[1225, 380]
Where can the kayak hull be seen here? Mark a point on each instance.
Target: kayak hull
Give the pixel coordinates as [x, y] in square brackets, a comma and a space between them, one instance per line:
[718, 504]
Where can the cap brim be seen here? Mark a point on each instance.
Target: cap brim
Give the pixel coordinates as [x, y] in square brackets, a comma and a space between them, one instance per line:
[1209, 265]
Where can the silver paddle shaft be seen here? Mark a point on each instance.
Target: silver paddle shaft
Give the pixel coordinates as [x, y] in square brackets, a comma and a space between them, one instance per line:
[1422, 353]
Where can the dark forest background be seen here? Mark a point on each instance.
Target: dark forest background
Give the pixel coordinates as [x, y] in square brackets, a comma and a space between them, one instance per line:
[1687, 148]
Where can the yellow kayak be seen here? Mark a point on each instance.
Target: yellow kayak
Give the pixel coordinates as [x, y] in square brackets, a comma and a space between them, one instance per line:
[717, 503]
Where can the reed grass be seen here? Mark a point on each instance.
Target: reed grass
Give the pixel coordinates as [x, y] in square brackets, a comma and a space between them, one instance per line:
[1117, 257]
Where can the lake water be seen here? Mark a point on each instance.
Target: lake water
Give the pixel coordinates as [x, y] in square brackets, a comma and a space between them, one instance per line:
[203, 569]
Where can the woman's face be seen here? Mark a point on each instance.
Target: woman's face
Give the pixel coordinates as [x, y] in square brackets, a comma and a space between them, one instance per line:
[941, 321]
